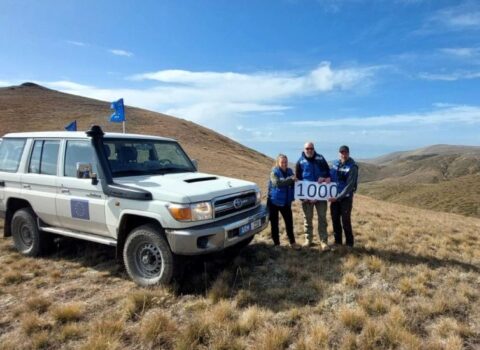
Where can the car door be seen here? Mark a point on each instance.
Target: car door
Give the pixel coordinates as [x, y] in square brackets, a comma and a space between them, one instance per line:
[80, 203]
[39, 179]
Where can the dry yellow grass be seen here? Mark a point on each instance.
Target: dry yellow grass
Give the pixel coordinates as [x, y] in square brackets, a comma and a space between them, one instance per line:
[412, 282]
[68, 312]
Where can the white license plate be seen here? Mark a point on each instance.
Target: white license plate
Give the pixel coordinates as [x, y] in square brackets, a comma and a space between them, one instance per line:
[249, 227]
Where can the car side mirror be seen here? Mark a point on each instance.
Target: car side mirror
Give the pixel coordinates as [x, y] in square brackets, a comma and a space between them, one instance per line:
[195, 163]
[84, 171]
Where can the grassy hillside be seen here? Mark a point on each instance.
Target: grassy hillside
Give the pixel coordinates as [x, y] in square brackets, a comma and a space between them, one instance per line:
[460, 195]
[412, 283]
[441, 177]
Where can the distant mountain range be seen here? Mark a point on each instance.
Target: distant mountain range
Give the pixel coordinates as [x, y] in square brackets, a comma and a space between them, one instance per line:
[439, 177]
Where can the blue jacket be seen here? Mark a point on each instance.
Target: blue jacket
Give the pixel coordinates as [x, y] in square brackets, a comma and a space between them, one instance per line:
[310, 169]
[281, 194]
[345, 176]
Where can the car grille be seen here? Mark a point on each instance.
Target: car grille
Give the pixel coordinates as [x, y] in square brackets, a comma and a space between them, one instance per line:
[233, 204]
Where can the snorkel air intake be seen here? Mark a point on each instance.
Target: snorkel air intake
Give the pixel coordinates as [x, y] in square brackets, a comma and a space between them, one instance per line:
[109, 187]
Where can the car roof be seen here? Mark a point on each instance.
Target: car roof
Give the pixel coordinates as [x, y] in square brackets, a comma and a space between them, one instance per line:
[80, 135]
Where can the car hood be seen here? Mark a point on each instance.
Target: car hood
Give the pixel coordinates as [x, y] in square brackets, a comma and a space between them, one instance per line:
[187, 187]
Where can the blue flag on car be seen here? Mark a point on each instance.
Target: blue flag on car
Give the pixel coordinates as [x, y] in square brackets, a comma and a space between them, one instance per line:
[72, 126]
[118, 115]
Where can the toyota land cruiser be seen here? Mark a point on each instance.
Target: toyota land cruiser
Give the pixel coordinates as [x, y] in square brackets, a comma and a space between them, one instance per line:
[140, 194]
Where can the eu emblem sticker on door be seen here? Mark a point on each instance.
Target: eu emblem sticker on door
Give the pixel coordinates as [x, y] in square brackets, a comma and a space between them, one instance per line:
[79, 209]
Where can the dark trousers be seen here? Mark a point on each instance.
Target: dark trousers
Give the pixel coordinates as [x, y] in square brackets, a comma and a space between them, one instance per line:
[287, 217]
[341, 212]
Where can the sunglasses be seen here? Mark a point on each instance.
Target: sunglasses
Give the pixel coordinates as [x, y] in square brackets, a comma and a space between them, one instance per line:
[343, 152]
[309, 148]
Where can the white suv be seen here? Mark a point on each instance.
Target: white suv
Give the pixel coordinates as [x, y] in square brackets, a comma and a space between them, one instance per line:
[141, 194]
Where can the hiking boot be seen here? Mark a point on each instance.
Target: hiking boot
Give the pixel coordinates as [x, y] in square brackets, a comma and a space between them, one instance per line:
[295, 246]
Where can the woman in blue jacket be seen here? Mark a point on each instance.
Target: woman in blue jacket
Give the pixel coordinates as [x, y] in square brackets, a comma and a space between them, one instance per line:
[280, 198]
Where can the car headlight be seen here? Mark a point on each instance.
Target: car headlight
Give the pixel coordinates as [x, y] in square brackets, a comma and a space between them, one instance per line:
[191, 212]
[259, 197]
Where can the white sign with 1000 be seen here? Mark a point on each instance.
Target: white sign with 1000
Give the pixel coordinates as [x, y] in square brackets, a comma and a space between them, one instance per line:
[314, 191]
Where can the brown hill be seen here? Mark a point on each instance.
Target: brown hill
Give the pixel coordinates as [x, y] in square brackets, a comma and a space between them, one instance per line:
[459, 195]
[31, 107]
[440, 177]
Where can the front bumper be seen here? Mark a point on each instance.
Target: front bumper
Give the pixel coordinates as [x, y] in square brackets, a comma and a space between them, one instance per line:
[218, 235]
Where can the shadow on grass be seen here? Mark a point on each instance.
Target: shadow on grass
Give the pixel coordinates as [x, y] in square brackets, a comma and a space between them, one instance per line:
[97, 256]
[275, 278]
[404, 258]
[259, 274]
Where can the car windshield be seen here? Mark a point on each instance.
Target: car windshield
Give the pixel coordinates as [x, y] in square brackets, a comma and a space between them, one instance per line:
[130, 157]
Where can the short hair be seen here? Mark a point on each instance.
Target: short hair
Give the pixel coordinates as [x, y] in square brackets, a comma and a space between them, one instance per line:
[280, 156]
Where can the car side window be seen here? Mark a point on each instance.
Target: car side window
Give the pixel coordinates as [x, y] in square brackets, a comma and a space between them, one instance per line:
[34, 166]
[10, 154]
[48, 164]
[44, 157]
[78, 152]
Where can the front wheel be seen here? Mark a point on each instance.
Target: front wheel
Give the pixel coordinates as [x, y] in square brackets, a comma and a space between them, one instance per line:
[147, 256]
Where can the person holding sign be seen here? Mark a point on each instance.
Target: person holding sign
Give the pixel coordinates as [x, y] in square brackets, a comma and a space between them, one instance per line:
[344, 172]
[280, 197]
[313, 167]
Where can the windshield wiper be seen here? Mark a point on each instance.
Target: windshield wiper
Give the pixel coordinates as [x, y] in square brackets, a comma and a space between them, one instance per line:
[171, 170]
[130, 172]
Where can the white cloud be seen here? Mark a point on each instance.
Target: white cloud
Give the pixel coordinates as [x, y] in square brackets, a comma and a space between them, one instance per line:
[118, 52]
[450, 76]
[441, 115]
[211, 96]
[5, 83]
[443, 123]
[259, 87]
[76, 43]
[66, 85]
[462, 52]
[465, 16]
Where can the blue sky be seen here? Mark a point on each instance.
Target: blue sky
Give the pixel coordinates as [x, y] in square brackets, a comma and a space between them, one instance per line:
[378, 75]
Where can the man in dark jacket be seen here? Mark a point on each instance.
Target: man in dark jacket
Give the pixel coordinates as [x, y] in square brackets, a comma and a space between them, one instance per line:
[344, 173]
[313, 167]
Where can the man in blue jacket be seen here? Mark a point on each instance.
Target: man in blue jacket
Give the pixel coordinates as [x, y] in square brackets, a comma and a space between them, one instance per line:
[345, 173]
[313, 167]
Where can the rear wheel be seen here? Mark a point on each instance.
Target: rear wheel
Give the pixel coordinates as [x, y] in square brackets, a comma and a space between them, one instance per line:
[147, 256]
[27, 238]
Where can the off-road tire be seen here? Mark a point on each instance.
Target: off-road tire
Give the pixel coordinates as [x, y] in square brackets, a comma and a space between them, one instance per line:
[27, 238]
[147, 256]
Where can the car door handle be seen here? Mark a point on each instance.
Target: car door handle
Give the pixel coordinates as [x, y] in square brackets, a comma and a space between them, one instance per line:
[65, 190]
[94, 195]
[26, 187]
